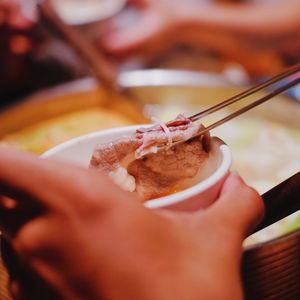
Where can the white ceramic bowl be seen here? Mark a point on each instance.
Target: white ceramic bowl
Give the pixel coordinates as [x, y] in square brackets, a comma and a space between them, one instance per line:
[200, 195]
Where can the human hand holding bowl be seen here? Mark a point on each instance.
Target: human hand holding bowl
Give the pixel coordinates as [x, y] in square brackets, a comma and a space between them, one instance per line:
[88, 239]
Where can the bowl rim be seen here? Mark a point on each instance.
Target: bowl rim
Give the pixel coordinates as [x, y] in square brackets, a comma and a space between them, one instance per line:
[207, 183]
[200, 187]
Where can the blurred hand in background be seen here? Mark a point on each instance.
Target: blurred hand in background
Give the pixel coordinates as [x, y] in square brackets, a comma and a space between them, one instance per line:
[28, 53]
[16, 45]
[12, 16]
[14, 28]
[262, 36]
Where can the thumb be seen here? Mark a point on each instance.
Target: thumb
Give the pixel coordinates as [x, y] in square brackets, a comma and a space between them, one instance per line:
[239, 206]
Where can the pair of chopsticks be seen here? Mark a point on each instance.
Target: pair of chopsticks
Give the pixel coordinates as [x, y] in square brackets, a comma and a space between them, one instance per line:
[288, 83]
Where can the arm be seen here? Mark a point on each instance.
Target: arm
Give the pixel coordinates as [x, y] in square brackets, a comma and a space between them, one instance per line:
[257, 20]
[251, 34]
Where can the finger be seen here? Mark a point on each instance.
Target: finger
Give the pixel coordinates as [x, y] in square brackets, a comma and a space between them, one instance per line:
[134, 38]
[50, 183]
[239, 206]
[17, 21]
[21, 176]
[14, 15]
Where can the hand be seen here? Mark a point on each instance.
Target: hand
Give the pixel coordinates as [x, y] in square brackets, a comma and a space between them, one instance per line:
[11, 15]
[251, 34]
[149, 35]
[87, 239]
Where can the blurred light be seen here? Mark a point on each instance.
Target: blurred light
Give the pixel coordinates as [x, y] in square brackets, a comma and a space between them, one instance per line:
[20, 44]
[236, 73]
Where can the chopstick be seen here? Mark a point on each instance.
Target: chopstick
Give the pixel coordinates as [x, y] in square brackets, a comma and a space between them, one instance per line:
[281, 201]
[251, 105]
[103, 70]
[290, 71]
